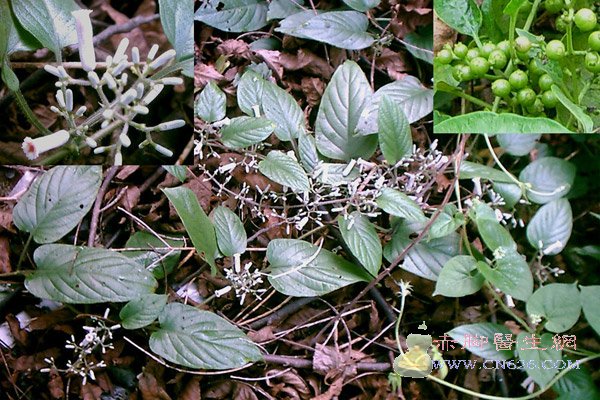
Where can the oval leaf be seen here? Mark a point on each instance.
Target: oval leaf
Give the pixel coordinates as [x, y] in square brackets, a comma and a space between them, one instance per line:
[231, 236]
[518, 144]
[511, 274]
[245, 131]
[178, 25]
[362, 5]
[285, 170]
[459, 277]
[250, 91]
[362, 240]
[550, 228]
[395, 138]
[142, 311]
[201, 339]
[528, 353]
[85, 275]
[57, 201]
[301, 269]
[470, 170]
[589, 304]
[462, 15]
[489, 122]
[157, 259]
[485, 349]
[234, 16]
[558, 304]
[400, 205]
[281, 108]
[341, 106]
[550, 178]
[210, 105]
[586, 121]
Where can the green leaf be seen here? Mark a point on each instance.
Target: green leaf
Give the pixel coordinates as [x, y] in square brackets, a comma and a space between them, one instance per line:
[470, 170]
[558, 303]
[585, 120]
[362, 5]
[178, 24]
[487, 350]
[10, 78]
[528, 355]
[343, 29]
[426, 258]
[280, 9]
[142, 311]
[518, 144]
[492, 123]
[285, 170]
[246, 131]
[420, 43]
[57, 201]
[510, 192]
[463, 16]
[400, 205]
[550, 178]
[449, 220]
[307, 150]
[178, 171]
[155, 259]
[86, 275]
[201, 339]
[211, 103]
[511, 274]
[512, 8]
[576, 384]
[395, 138]
[250, 92]
[494, 235]
[341, 106]
[5, 28]
[589, 304]
[551, 225]
[281, 108]
[301, 269]
[234, 16]
[231, 236]
[196, 222]
[49, 21]
[459, 277]
[415, 99]
[362, 240]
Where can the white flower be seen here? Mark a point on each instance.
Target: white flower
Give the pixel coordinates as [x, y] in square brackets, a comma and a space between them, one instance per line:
[167, 126]
[34, 147]
[162, 59]
[85, 38]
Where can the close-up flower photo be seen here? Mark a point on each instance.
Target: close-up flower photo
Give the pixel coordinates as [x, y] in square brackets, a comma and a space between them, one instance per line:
[99, 83]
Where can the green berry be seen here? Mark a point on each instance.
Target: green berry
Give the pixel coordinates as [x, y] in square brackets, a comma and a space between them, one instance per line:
[554, 6]
[518, 79]
[445, 56]
[460, 50]
[487, 49]
[545, 82]
[479, 66]
[504, 46]
[585, 19]
[498, 59]
[549, 99]
[594, 40]
[534, 68]
[472, 53]
[537, 107]
[526, 97]
[592, 62]
[522, 44]
[501, 88]
[555, 50]
[462, 73]
[561, 23]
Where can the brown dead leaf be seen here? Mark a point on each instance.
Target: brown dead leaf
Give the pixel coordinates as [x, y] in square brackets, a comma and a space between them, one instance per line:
[234, 48]
[442, 34]
[21, 335]
[32, 362]
[50, 319]
[202, 189]
[334, 390]
[5, 255]
[313, 89]
[90, 391]
[206, 73]
[56, 385]
[150, 389]
[244, 392]
[328, 360]
[126, 171]
[262, 335]
[393, 63]
[192, 390]
[290, 383]
[131, 198]
[306, 61]
[272, 59]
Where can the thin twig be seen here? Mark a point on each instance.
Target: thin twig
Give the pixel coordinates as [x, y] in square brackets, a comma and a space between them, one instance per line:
[110, 174]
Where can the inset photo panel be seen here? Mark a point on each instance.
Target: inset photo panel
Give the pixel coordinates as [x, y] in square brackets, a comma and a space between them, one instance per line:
[504, 66]
[96, 82]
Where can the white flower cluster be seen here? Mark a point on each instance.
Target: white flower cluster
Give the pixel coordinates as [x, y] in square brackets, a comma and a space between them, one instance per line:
[243, 280]
[99, 336]
[125, 90]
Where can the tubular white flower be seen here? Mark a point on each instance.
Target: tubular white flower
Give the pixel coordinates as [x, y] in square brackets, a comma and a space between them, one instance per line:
[80, 111]
[152, 52]
[110, 81]
[128, 97]
[60, 98]
[163, 150]
[153, 94]
[120, 53]
[143, 110]
[125, 141]
[34, 147]
[52, 70]
[85, 38]
[118, 159]
[162, 59]
[167, 126]
[94, 78]
[135, 55]
[69, 100]
[173, 80]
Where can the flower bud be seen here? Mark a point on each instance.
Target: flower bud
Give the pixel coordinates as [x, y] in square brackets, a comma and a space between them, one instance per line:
[60, 98]
[143, 110]
[120, 53]
[135, 55]
[85, 38]
[94, 79]
[152, 52]
[34, 147]
[128, 96]
[69, 100]
[167, 126]
[110, 81]
[118, 158]
[80, 111]
[125, 141]
[91, 142]
[52, 70]
[163, 150]
[153, 94]
[173, 80]
[162, 59]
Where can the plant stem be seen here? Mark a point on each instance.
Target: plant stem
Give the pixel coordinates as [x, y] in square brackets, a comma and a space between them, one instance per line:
[472, 99]
[497, 160]
[531, 15]
[508, 310]
[24, 252]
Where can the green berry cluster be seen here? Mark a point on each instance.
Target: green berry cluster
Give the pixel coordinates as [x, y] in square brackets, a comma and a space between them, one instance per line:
[515, 71]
